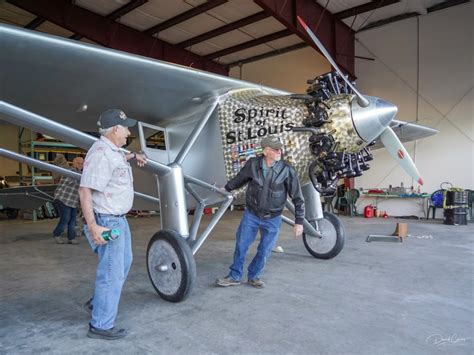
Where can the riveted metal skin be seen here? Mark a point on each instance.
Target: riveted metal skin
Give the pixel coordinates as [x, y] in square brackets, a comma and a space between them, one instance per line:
[247, 116]
[340, 125]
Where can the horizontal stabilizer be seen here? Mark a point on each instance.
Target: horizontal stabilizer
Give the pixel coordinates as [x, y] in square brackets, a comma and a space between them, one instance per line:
[407, 132]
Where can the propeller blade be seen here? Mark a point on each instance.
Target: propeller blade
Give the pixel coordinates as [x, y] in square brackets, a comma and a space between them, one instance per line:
[399, 153]
[361, 100]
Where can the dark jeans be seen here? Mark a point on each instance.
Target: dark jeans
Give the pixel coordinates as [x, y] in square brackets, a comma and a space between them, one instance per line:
[249, 226]
[67, 217]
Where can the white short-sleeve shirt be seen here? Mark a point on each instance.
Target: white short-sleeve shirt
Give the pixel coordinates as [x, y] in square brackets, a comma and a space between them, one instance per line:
[108, 174]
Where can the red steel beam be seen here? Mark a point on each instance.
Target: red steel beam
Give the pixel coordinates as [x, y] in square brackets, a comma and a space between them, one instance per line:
[125, 9]
[224, 29]
[36, 22]
[249, 44]
[270, 54]
[121, 11]
[111, 34]
[356, 10]
[336, 36]
[184, 16]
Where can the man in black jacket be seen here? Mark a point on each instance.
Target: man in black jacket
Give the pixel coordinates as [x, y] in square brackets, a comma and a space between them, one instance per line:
[269, 180]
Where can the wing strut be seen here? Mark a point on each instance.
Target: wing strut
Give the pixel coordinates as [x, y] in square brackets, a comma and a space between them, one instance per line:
[24, 118]
[173, 181]
[195, 133]
[54, 168]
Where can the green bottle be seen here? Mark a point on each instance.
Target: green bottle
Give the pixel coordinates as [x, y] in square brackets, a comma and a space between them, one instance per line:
[110, 234]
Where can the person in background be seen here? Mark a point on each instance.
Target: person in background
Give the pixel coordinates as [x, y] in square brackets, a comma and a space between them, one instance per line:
[269, 181]
[61, 161]
[66, 198]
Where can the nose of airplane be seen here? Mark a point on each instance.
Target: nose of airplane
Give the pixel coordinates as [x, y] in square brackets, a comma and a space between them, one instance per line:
[372, 120]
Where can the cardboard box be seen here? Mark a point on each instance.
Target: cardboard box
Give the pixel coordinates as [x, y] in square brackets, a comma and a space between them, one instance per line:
[401, 230]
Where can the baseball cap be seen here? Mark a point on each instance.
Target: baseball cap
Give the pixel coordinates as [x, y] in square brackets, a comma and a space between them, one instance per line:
[272, 142]
[115, 117]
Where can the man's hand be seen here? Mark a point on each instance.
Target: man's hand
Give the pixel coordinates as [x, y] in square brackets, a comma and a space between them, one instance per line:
[298, 230]
[85, 196]
[223, 190]
[141, 159]
[96, 232]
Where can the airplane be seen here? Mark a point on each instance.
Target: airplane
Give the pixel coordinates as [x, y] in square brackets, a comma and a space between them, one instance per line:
[206, 126]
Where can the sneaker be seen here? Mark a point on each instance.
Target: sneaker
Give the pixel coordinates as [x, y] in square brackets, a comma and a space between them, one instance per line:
[257, 283]
[73, 241]
[227, 281]
[88, 305]
[278, 249]
[109, 334]
[58, 240]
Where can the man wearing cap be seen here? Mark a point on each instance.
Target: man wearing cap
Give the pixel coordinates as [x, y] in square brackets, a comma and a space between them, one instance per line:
[270, 180]
[106, 195]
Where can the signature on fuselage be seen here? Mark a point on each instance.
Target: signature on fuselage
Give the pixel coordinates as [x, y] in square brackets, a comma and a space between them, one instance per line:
[439, 340]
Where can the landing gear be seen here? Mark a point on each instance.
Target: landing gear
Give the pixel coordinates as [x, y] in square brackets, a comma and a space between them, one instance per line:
[332, 241]
[171, 266]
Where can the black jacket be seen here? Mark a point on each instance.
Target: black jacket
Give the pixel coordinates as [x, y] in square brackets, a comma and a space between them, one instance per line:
[284, 182]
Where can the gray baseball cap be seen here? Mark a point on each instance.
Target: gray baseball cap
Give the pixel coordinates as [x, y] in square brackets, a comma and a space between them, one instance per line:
[115, 117]
[272, 142]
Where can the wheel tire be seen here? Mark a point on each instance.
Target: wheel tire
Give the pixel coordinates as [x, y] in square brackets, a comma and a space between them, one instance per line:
[339, 237]
[169, 251]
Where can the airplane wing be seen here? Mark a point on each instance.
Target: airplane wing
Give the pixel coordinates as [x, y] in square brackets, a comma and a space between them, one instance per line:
[407, 132]
[73, 82]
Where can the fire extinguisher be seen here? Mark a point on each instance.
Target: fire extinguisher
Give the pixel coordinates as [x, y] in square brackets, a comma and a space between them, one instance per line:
[369, 211]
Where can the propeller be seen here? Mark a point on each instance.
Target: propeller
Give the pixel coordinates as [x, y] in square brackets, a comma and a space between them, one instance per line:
[361, 100]
[399, 153]
[383, 118]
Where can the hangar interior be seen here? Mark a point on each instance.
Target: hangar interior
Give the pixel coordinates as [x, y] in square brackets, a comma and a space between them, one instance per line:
[413, 296]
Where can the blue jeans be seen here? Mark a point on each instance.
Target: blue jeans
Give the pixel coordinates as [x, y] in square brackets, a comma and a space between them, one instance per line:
[250, 224]
[115, 259]
[67, 217]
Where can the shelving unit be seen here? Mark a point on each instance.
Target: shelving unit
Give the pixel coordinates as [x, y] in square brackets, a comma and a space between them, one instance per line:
[44, 150]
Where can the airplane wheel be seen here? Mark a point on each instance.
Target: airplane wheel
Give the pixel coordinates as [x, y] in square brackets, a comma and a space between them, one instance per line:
[171, 265]
[333, 238]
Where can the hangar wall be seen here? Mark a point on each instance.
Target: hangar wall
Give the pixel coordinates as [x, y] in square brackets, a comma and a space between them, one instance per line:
[438, 93]
[288, 71]
[9, 140]
[442, 97]
[445, 97]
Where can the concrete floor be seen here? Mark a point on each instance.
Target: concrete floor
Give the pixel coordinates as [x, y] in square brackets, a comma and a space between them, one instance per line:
[414, 297]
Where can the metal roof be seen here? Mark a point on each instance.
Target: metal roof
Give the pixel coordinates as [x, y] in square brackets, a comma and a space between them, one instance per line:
[362, 14]
[225, 31]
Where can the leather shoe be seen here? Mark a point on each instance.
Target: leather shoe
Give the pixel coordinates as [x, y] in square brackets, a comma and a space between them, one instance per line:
[109, 334]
